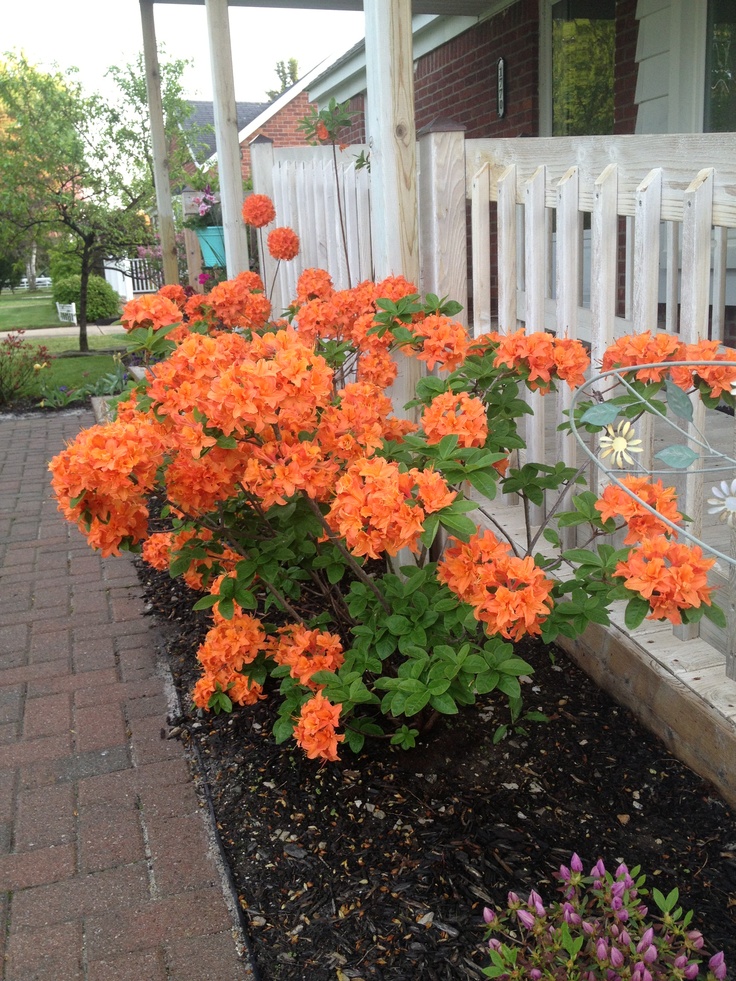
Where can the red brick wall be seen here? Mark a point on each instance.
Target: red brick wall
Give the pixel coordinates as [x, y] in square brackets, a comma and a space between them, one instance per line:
[627, 29]
[458, 79]
[282, 128]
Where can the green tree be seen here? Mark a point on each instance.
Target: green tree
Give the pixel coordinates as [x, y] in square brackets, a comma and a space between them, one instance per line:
[77, 168]
[288, 74]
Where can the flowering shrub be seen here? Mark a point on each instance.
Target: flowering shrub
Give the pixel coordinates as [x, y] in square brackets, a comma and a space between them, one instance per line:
[294, 493]
[19, 362]
[599, 929]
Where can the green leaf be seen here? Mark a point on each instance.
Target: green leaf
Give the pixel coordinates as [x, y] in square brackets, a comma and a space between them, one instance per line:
[636, 609]
[716, 615]
[205, 603]
[678, 401]
[226, 609]
[444, 703]
[458, 524]
[398, 625]
[677, 457]
[415, 703]
[485, 482]
[283, 729]
[603, 414]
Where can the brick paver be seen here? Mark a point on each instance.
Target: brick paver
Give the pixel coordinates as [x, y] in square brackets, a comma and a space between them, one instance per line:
[106, 867]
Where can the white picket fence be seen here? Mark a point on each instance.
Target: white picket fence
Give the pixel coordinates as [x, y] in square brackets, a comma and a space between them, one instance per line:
[309, 193]
[591, 237]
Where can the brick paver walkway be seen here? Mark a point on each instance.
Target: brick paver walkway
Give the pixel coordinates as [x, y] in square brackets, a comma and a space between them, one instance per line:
[106, 872]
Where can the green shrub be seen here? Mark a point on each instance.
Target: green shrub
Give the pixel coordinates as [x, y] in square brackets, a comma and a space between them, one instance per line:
[102, 300]
[63, 264]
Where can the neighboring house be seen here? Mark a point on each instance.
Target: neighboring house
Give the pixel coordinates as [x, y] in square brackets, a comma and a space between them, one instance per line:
[278, 121]
[202, 120]
[570, 67]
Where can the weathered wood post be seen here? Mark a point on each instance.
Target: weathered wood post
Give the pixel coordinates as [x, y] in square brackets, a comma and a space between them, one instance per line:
[162, 182]
[392, 141]
[443, 250]
[226, 137]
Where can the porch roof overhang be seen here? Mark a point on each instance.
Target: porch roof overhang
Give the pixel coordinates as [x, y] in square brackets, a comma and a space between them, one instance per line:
[467, 8]
[391, 128]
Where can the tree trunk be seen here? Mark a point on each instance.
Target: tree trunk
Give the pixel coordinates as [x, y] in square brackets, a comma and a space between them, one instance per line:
[82, 312]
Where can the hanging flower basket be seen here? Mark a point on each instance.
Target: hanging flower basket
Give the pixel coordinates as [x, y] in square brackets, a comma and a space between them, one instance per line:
[212, 244]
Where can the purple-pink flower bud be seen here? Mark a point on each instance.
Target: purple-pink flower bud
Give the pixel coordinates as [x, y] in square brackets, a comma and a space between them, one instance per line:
[617, 957]
[717, 964]
[494, 943]
[488, 915]
[588, 928]
[513, 899]
[696, 939]
[601, 949]
[693, 971]
[646, 939]
[570, 915]
[535, 903]
[575, 864]
[599, 869]
[526, 918]
[535, 974]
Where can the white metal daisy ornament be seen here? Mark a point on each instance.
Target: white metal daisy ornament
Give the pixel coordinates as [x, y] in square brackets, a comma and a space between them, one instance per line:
[619, 444]
[723, 502]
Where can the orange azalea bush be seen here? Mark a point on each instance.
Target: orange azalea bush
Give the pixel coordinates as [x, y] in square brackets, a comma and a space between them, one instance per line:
[294, 490]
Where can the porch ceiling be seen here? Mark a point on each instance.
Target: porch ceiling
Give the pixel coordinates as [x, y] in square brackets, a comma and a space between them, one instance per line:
[462, 8]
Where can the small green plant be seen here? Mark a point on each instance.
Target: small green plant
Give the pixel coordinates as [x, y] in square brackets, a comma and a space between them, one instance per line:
[103, 302]
[20, 361]
[598, 930]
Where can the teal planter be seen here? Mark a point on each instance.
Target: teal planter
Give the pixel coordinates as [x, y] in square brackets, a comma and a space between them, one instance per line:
[212, 244]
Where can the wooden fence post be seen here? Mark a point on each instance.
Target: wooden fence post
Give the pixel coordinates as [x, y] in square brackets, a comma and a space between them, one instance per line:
[443, 250]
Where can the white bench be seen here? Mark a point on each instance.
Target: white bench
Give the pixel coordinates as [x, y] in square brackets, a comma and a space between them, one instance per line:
[67, 313]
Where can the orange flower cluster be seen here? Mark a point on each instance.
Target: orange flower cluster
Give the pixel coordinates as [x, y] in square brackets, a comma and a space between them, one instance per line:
[315, 729]
[345, 315]
[154, 310]
[644, 348]
[258, 210]
[617, 503]
[672, 577]
[374, 511]
[510, 595]
[445, 342]
[543, 358]
[227, 647]
[305, 652]
[357, 423]
[462, 415]
[240, 302]
[648, 348]
[718, 379]
[313, 284]
[176, 293]
[160, 547]
[283, 243]
[102, 479]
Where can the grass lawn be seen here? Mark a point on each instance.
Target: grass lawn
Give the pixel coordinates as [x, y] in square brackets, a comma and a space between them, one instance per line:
[64, 374]
[25, 310]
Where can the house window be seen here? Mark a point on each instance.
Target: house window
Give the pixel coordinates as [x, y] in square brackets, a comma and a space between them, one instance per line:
[720, 68]
[583, 56]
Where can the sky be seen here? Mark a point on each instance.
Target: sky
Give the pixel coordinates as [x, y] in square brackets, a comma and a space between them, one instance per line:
[92, 35]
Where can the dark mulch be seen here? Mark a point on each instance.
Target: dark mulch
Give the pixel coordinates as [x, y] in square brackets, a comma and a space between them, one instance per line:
[379, 867]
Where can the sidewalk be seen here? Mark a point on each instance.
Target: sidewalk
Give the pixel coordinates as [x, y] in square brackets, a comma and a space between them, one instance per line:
[106, 870]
